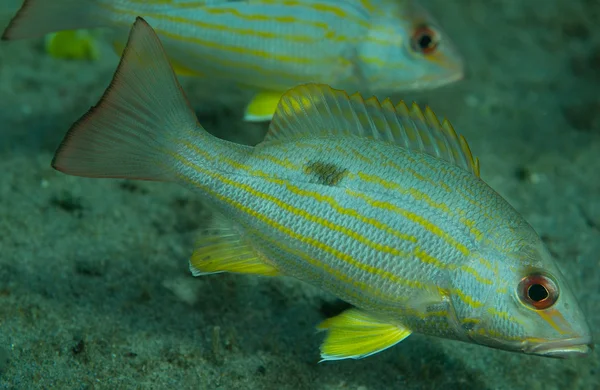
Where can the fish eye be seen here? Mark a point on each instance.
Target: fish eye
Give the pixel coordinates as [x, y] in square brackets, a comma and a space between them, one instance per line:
[425, 40]
[538, 291]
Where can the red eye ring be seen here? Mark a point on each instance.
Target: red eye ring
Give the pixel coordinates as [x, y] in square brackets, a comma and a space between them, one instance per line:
[538, 291]
[424, 40]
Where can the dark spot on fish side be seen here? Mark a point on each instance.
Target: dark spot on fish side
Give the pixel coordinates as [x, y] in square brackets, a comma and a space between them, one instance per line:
[331, 309]
[325, 173]
[69, 203]
[79, 347]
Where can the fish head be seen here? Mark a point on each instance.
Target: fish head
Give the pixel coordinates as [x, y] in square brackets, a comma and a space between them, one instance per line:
[405, 49]
[531, 307]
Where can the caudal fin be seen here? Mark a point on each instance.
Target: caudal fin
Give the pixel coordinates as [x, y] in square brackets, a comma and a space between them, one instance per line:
[36, 18]
[133, 131]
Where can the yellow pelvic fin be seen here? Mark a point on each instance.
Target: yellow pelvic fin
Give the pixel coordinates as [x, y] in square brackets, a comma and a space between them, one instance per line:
[73, 45]
[262, 106]
[354, 334]
[313, 110]
[223, 248]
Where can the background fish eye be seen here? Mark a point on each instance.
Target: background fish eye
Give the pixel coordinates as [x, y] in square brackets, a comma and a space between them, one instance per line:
[425, 40]
[538, 291]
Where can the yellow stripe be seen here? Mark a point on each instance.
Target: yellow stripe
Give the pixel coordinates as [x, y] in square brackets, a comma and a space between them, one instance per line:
[216, 45]
[430, 227]
[420, 196]
[549, 316]
[504, 315]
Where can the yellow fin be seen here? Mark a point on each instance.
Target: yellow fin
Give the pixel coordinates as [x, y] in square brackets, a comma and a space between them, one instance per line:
[223, 249]
[72, 44]
[311, 110]
[355, 335]
[262, 106]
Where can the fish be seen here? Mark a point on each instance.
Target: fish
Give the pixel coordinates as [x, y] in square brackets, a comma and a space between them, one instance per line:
[266, 46]
[380, 204]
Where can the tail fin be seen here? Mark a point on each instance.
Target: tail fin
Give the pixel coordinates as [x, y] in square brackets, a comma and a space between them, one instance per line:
[132, 131]
[36, 18]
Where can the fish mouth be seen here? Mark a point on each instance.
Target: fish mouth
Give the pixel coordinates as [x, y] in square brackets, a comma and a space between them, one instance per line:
[562, 349]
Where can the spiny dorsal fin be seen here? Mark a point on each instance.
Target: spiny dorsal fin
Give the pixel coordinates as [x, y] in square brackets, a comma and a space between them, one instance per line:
[311, 110]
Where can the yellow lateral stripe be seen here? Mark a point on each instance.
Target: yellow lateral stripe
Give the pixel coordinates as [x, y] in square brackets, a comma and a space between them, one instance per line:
[403, 170]
[422, 197]
[466, 298]
[321, 8]
[504, 315]
[219, 46]
[329, 34]
[429, 226]
[234, 49]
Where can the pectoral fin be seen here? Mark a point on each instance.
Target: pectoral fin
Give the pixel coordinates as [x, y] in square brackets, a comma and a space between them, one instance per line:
[262, 106]
[223, 248]
[355, 334]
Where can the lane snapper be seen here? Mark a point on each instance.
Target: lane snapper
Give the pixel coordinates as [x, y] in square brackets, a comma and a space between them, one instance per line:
[379, 204]
[268, 46]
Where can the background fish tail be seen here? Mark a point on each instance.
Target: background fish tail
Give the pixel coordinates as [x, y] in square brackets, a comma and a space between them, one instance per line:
[38, 17]
[140, 122]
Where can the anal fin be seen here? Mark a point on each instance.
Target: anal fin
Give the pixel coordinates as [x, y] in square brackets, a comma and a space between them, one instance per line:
[224, 249]
[355, 335]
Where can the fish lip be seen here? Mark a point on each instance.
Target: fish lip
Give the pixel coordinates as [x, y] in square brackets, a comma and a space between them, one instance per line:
[433, 83]
[563, 349]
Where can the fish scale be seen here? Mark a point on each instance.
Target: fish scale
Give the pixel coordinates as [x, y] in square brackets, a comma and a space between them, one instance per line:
[376, 203]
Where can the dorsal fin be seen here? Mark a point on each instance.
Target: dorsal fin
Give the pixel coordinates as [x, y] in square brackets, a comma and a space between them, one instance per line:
[311, 110]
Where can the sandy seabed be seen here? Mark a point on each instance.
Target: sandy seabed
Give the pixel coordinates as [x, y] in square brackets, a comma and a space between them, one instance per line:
[95, 290]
